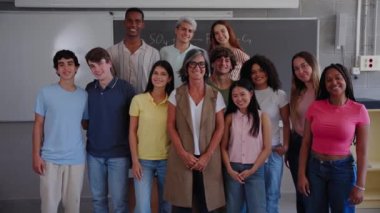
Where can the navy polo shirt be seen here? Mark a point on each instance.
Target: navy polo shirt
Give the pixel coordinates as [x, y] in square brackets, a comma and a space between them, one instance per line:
[108, 114]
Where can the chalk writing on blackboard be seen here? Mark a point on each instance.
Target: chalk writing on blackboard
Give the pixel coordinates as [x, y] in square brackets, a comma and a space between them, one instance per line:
[160, 40]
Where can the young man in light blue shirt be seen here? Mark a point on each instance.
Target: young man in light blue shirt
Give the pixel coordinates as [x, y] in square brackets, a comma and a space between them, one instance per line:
[58, 147]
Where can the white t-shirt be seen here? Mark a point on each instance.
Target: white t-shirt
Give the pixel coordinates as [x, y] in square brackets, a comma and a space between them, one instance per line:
[196, 112]
[271, 102]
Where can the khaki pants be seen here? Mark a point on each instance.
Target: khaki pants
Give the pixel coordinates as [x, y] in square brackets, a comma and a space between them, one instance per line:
[61, 183]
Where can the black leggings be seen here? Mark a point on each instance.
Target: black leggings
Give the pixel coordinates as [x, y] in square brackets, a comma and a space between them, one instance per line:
[293, 157]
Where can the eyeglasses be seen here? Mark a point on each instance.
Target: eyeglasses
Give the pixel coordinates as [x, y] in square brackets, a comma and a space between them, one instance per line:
[193, 64]
[301, 67]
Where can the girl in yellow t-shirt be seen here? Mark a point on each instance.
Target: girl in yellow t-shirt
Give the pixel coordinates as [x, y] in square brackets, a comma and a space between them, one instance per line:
[148, 137]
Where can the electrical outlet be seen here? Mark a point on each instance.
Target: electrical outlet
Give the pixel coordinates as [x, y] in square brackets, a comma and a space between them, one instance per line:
[355, 70]
[370, 63]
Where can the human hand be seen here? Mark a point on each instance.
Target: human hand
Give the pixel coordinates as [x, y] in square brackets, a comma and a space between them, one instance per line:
[286, 160]
[137, 171]
[188, 159]
[281, 150]
[246, 173]
[303, 185]
[356, 196]
[38, 165]
[235, 175]
[202, 162]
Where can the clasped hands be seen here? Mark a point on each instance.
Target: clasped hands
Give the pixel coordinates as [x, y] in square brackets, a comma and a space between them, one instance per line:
[193, 163]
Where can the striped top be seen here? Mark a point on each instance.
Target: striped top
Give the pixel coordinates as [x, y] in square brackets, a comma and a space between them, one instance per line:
[133, 67]
[241, 57]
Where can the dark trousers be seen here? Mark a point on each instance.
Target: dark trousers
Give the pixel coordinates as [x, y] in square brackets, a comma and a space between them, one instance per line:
[199, 199]
[293, 156]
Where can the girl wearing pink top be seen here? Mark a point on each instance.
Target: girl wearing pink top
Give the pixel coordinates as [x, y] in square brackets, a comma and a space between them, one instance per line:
[327, 173]
[305, 81]
[246, 144]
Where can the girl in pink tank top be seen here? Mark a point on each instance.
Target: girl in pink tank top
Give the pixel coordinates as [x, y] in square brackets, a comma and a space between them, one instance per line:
[246, 144]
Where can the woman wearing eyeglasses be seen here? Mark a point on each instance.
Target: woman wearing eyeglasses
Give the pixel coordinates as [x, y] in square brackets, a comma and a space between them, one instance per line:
[195, 126]
[305, 80]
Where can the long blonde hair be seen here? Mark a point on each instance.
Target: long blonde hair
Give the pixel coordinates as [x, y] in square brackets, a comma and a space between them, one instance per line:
[298, 86]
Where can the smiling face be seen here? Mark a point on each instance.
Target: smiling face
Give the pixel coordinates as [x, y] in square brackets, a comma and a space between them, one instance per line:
[184, 32]
[133, 24]
[66, 69]
[335, 83]
[241, 98]
[302, 70]
[160, 77]
[222, 65]
[259, 77]
[221, 35]
[196, 68]
[101, 70]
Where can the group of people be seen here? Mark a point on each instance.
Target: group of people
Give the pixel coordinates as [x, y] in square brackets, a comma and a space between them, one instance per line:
[213, 127]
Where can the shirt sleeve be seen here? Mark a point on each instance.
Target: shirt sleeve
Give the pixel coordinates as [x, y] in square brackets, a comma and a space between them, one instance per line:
[85, 112]
[172, 99]
[40, 107]
[282, 99]
[309, 112]
[134, 108]
[220, 105]
[363, 116]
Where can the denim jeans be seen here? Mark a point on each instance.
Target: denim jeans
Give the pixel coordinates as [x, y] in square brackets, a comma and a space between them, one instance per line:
[108, 175]
[293, 156]
[251, 193]
[143, 187]
[330, 185]
[273, 175]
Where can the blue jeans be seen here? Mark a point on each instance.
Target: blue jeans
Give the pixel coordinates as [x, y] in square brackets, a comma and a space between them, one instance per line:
[108, 175]
[330, 185]
[251, 193]
[293, 156]
[143, 187]
[273, 174]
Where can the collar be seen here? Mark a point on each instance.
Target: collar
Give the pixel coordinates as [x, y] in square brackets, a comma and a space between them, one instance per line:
[110, 85]
[142, 47]
[152, 100]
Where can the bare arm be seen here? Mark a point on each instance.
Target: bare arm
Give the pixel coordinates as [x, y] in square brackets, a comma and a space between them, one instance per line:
[303, 183]
[214, 143]
[224, 149]
[284, 113]
[356, 195]
[224, 143]
[267, 146]
[188, 158]
[38, 127]
[136, 167]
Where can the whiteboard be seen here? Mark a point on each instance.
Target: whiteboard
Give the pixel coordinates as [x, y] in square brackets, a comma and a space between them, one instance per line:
[28, 42]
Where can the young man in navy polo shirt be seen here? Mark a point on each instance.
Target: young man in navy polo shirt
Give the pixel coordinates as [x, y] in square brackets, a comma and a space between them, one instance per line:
[108, 154]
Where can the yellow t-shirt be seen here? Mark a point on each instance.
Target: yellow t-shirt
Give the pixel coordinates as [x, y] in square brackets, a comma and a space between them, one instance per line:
[152, 137]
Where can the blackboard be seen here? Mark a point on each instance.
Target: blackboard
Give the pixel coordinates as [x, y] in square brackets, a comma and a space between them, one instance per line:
[278, 39]
[28, 43]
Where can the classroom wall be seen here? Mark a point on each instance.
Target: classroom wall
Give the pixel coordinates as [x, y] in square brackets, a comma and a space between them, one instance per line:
[17, 180]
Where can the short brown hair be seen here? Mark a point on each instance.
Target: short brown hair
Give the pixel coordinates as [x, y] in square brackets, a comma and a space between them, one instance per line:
[97, 54]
